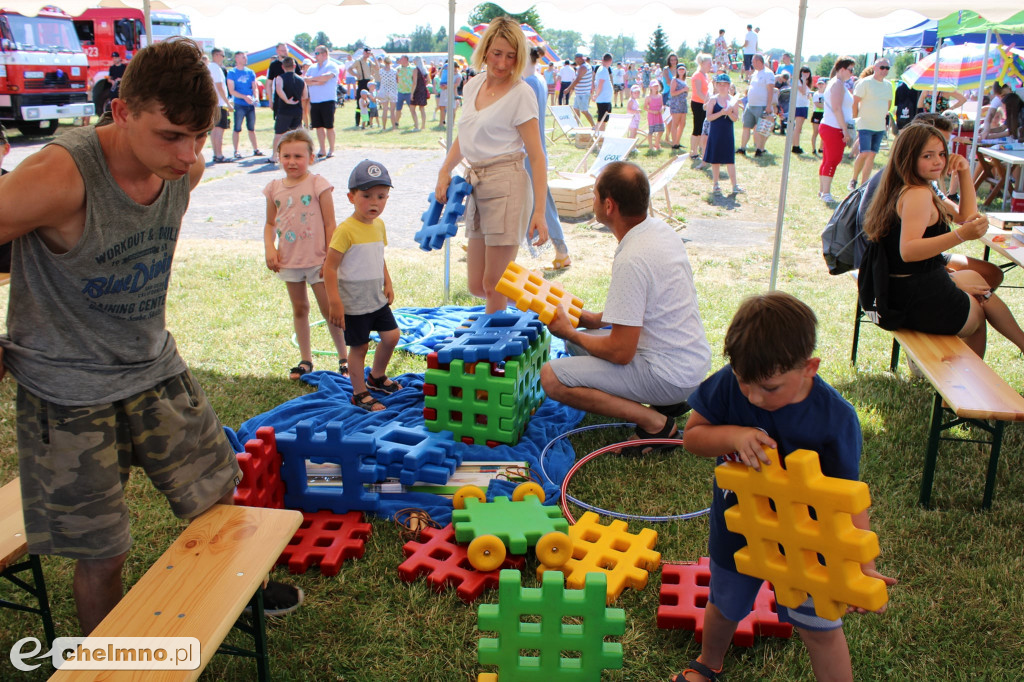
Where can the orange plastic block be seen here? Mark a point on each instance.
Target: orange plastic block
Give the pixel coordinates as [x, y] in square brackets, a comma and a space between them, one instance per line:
[530, 291]
[784, 544]
[622, 556]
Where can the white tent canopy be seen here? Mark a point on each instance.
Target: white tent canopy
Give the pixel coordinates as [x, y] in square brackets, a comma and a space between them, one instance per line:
[996, 10]
[993, 10]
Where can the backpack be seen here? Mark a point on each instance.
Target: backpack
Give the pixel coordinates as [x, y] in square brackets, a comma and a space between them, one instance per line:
[838, 241]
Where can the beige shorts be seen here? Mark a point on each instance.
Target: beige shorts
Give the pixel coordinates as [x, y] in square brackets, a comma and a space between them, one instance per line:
[501, 204]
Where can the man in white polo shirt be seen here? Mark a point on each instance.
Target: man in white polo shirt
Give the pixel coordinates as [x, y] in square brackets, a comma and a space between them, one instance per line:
[760, 97]
[872, 98]
[322, 83]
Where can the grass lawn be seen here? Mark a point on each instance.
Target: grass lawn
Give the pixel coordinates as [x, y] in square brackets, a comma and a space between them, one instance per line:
[956, 613]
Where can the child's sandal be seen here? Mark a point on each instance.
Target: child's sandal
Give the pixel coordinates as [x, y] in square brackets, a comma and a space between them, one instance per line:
[360, 401]
[297, 372]
[696, 666]
[343, 368]
[383, 384]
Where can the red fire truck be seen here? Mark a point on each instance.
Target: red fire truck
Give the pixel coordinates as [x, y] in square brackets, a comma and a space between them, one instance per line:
[43, 71]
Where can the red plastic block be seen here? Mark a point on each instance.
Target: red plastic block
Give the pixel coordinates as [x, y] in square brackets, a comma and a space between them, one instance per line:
[684, 595]
[326, 539]
[445, 563]
[261, 484]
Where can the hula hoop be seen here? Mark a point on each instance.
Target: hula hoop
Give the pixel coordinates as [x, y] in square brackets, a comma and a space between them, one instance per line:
[398, 318]
[566, 498]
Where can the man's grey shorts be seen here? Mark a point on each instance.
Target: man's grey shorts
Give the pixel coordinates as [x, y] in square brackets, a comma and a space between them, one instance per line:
[751, 115]
[636, 381]
[581, 101]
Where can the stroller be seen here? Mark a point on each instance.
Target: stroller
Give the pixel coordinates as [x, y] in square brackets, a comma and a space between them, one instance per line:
[780, 124]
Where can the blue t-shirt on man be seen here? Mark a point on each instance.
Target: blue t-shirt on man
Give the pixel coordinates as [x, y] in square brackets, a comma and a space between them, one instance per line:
[823, 422]
[245, 80]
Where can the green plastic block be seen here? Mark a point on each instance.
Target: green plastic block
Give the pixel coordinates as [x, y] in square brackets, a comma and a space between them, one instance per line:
[557, 647]
[519, 525]
[483, 406]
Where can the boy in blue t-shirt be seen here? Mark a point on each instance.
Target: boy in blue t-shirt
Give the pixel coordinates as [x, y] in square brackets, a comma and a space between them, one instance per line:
[769, 395]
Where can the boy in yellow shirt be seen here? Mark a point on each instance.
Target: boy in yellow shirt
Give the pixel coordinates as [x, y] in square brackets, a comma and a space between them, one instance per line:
[359, 287]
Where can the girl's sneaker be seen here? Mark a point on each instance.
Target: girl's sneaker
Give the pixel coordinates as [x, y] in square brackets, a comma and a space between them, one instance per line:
[716, 190]
[827, 198]
[736, 189]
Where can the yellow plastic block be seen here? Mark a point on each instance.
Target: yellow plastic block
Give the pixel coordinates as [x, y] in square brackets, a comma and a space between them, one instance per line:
[487, 677]
[531, 291]
[795, 490]
[622, 556]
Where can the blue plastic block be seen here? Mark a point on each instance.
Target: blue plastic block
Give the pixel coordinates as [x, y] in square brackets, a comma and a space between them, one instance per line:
[331, 447]
[412, 453]
[482, 347]
[440, 221]
[527, 324]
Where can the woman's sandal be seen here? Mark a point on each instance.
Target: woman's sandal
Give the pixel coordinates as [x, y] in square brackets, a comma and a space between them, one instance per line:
[343, 367]
[360, 401]
[559, 264]
[298, 371]
[696, 666]
[383, 384]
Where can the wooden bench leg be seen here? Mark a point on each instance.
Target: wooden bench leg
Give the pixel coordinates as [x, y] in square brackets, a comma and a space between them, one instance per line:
[994, 429]
[894, 356]
[857, 319]
[36, 589]
[932, 453]
[993, 463]
[257, 629]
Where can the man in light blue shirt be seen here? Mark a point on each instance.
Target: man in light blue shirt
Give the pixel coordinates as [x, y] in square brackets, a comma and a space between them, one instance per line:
[322, 81]
[242, 87]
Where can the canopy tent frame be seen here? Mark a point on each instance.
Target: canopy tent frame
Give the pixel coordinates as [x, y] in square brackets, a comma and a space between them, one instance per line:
[997, 10]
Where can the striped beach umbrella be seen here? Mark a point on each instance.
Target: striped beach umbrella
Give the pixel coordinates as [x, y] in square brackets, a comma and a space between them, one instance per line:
[959, 68]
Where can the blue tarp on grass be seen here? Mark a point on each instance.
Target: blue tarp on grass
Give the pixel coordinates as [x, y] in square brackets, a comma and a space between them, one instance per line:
[331, 402]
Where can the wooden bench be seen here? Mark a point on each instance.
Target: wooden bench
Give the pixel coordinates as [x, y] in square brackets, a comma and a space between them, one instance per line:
[199, 588]
[967, 391]
[14, 546]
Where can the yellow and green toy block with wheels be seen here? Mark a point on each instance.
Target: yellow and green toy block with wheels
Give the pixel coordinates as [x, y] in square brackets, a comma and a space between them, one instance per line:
[795, 570]
[624, 557]
[496, 528]
[485, 402]
[569, 638]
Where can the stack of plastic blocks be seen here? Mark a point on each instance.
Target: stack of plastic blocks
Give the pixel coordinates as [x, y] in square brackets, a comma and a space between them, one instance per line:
[484, 383]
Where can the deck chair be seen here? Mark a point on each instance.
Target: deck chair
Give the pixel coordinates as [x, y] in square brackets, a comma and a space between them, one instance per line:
[659, 181]
[566, 123]
[618, 126]
[574, 192]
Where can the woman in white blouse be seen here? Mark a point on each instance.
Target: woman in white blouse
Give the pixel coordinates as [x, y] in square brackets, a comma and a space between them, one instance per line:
[498, 121]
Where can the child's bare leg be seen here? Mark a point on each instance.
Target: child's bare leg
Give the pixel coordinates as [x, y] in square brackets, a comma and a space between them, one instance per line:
[356, 363]
[830, 655]
[337, 333]
[300, 318]
[716, 170]
[718, 632]
[381, 358]
[730, 168]
[1000, 317]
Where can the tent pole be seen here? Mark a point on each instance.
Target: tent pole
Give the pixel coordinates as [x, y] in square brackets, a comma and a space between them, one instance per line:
[787, 152]
[449, 133]
[147, 10]
[935, 80]
[981, 95]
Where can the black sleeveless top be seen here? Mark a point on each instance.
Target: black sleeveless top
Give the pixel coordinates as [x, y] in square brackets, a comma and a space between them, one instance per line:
[898, 266]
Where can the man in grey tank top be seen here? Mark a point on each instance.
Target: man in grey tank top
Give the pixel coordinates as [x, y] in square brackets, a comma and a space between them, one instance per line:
[100, 383]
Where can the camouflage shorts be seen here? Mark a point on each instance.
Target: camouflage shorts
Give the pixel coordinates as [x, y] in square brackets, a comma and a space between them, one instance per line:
[74, 462]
